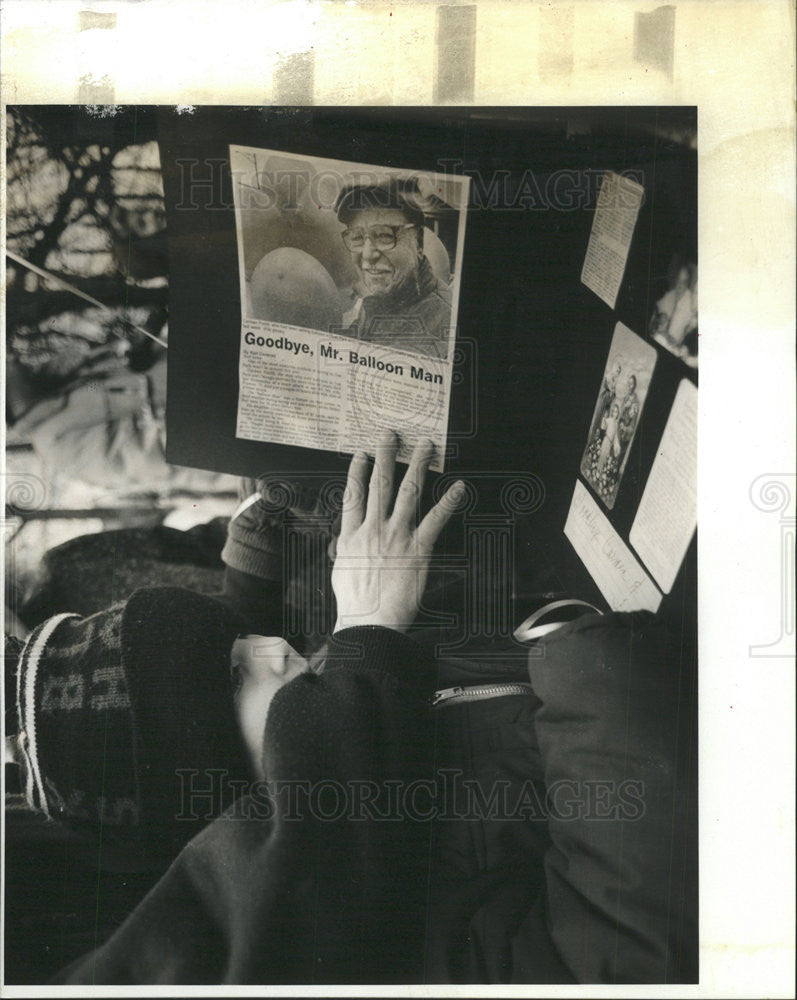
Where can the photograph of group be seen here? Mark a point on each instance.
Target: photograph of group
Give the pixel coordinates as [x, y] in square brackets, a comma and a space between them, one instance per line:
[617, 412]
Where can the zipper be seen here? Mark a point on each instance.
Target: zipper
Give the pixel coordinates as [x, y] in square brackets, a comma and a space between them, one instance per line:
[479, 692]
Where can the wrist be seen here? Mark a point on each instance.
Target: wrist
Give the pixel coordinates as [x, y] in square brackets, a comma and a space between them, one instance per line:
[365, 621]
[380, 650]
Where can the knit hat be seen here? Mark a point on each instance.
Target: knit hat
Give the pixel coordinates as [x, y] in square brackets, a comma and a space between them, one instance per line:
[268, 507]
[122, 712]
[256, 532]
[398, 193]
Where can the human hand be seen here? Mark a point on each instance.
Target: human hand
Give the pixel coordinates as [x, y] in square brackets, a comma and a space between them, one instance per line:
[382, 561]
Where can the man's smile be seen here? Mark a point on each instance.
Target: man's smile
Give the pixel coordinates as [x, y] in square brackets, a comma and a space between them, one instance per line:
[379, 278]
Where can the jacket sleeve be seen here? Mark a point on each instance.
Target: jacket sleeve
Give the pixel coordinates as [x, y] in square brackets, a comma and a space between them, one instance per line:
[616, 732]
[315, 877]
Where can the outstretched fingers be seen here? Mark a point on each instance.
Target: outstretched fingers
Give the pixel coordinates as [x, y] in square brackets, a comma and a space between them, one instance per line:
[430, 527]
[406, 505]
[353, 510]
[381, 485]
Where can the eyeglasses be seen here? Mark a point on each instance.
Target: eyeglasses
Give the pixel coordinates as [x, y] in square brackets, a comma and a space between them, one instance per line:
[382, 237]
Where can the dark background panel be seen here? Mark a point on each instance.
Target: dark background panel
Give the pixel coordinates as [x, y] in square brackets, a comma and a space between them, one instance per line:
[535, 338]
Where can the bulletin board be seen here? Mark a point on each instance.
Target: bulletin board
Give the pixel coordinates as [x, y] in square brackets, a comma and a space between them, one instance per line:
[532, 337]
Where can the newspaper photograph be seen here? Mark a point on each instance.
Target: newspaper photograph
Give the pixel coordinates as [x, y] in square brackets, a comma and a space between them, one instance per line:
[349, 283]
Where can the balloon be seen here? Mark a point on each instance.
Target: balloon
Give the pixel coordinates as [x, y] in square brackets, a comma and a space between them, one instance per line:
[291, 286]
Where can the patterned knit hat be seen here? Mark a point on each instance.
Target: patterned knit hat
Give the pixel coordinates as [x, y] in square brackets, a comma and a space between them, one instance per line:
[121, 712]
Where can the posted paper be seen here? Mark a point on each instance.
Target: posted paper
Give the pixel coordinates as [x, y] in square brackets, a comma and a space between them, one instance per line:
[349, 281]
[667, 514]
[611, 564]
[616, 213]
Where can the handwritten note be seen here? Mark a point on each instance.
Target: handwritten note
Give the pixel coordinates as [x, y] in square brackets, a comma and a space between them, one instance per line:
[616, 213]
[667, 514]
[611, 564]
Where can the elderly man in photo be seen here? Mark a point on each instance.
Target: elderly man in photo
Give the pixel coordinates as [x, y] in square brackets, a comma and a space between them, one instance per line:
[403, 303]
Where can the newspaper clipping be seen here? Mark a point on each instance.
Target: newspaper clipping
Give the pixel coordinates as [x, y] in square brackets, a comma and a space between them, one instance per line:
[349, 283]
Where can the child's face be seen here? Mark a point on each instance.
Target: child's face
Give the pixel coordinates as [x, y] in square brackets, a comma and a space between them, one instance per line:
[261, 665]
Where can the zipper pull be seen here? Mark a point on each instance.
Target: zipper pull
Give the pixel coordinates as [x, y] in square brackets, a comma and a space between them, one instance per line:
[445, 694]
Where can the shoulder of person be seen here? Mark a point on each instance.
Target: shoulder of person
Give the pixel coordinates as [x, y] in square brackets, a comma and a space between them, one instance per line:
[436, 305]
